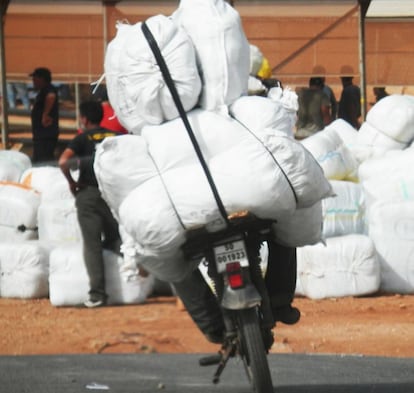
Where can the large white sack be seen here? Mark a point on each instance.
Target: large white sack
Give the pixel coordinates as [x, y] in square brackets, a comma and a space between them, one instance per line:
[18, 212]
[229, 148]
[49, 181]
[388, 178]
[303, 227]
[346, 266]
[68, 280]
[58, 221]
[345, 131]
[136, 88]
[257, 113]
[335, 158]
[344, 214]
[393, 116]
[12, 164]
[24, 270]
[121, 164]
[372, 143]
[256, 59]
[170, 145]
[222, 50]
[391, 227]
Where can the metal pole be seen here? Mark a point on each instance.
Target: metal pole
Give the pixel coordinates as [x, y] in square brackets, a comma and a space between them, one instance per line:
[362, 63]
[4, 111]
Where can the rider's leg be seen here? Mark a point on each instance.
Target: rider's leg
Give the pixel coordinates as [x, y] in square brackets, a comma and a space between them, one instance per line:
[280, 281]
[202, 305]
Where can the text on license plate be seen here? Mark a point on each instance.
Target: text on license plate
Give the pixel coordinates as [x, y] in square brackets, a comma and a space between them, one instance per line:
[230, 252]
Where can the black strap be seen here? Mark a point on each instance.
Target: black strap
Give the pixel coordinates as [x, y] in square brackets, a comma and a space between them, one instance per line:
[171, 86]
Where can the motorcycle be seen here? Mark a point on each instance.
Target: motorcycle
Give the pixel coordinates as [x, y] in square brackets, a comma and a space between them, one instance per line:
[232, 256]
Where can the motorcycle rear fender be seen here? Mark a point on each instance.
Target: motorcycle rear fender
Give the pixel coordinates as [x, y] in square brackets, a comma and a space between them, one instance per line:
[237, 299]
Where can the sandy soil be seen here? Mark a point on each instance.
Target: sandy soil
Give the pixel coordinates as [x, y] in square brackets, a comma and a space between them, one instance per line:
[377, 325]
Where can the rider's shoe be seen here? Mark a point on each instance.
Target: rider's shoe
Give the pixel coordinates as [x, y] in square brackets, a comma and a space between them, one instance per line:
[287, 314]
[215, 337]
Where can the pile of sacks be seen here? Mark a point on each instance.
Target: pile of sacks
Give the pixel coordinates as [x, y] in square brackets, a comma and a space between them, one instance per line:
[153, 180]
[368, 225]
[41, 244]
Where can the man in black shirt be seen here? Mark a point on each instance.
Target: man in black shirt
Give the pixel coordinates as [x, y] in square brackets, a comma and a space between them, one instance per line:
[44, 116]
[94, 215]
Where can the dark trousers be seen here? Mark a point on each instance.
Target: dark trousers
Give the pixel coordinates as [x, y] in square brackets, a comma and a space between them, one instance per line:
[202, 305]
[99, 230]
[44, 150]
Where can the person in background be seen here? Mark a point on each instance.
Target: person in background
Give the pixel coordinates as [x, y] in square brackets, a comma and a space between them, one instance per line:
[379, 92]
[109, 119]
[17, 91]
[349, 108]
[94, 215]
[320, 71]
[314, 109]
[44, 116]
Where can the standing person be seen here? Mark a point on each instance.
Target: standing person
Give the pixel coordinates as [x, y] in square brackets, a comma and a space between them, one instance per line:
[319, 71]
[44, 116]
[379, 92]
[349, 108]
[94, 215]
[314, 111]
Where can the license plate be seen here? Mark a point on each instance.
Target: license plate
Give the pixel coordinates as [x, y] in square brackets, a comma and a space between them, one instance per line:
[230, 252]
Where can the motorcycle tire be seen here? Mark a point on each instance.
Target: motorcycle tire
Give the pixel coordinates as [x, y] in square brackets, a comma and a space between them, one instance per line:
[253, 352]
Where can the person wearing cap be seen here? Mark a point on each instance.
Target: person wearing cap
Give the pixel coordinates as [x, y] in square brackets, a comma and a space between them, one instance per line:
[44, 116]
[314, 111]
[349, 108]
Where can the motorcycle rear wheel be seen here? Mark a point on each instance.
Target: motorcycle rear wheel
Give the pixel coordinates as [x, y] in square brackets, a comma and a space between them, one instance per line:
[253, 351]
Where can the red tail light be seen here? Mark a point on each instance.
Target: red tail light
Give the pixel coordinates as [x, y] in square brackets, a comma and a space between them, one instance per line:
[235, 275]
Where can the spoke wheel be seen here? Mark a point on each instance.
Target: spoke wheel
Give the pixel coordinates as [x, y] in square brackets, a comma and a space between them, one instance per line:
[253, 351]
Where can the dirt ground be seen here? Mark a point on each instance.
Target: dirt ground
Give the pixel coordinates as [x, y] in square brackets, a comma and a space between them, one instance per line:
[377, 325]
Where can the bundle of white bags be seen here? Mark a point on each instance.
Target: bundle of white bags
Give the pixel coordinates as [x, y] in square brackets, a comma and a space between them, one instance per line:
[370, 172]
[40, 243]
[153, 180]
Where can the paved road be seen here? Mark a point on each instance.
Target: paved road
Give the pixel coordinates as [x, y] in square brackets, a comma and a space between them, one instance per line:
[292, 373]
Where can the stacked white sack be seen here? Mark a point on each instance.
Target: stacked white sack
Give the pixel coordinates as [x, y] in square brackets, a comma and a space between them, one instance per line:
[289, 101]
[222, 50]
[388, 178]
[24, 270]
[335, 158]
[12, 164]
[58, 221]
[256, 59]
[258, 113]
[346, 266]
[389, 125]
[344, 214]
[69, 284]
[49, 181]
[345, 131]
[391, 227]
[18, 212]
[271, 177]
[135, 84]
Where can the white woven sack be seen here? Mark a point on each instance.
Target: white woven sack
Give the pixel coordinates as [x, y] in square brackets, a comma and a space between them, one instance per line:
[345, 131]
[333, 156]
[69, 283]
[24, 269]
[58, 221]
[372, 143]
[12, 164]
[121, 164]
[222, 50]
[170, 145]
[18, 212]
[344, 214]
[303, 227]
[388, 178]
[136, 88]
[256, 59]
[391, 227]
[346, 266]
[393, 116]
[49, 181]
[272, 114]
